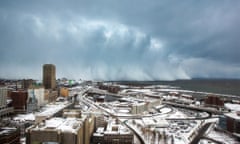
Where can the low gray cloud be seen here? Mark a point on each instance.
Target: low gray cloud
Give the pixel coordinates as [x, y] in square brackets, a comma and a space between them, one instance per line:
[108, 40]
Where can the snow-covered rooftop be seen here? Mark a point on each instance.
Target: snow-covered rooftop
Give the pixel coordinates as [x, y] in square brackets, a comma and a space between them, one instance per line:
[63, 124]
[233, 115]
[233, 107]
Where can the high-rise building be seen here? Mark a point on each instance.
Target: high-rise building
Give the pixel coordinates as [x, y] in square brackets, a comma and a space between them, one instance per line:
[49, 76]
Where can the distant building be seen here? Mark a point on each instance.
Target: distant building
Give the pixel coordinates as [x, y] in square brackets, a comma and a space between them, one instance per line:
[26, 83]
[138, 108]
[64, 92]
[49, 76]
[50, 95]
[214, 101]
[110, 88]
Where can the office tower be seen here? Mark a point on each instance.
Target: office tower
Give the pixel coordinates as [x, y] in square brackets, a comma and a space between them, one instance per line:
[49, 76]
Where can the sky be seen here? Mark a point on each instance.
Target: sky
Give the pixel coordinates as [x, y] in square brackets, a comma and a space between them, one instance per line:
[120, 39]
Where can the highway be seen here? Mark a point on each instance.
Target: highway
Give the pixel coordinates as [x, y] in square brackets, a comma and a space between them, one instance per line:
[138, 136]
[141, 140]
[200, 133]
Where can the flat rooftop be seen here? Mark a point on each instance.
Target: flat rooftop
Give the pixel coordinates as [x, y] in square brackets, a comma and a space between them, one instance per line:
[60, 124]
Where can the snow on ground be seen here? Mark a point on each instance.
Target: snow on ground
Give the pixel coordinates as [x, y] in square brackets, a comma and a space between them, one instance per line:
[165, 110]
[177, 114]
[222, 137]
[123, 111]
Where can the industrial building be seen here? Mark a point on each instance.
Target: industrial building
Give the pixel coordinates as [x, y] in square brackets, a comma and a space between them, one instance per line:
[49, 76]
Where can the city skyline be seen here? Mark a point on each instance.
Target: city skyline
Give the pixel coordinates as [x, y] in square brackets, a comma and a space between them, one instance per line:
[109, 40]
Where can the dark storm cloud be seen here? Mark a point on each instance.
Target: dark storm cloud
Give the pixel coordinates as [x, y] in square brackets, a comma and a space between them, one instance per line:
[110, 40]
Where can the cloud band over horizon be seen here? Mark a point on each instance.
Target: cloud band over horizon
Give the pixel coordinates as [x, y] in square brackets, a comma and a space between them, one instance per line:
[106, 40]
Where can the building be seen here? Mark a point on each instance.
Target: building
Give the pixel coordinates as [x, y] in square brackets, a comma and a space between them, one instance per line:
[26, 83]
[19, 100]
[37, 93]
[233, 122]
[222, 122]
[9, 135]
[5, 109]
[69, 130]
[64, 92]
[49, 76]
[59, 130]
[114, 133]
[88, 122]
[214, 101]
[100, 121]
[138, 108]
[50, 95]
[88, 128]
[3, 96]
[150, 103]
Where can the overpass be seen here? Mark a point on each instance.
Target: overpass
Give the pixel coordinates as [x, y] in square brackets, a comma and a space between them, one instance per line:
[209, 110]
